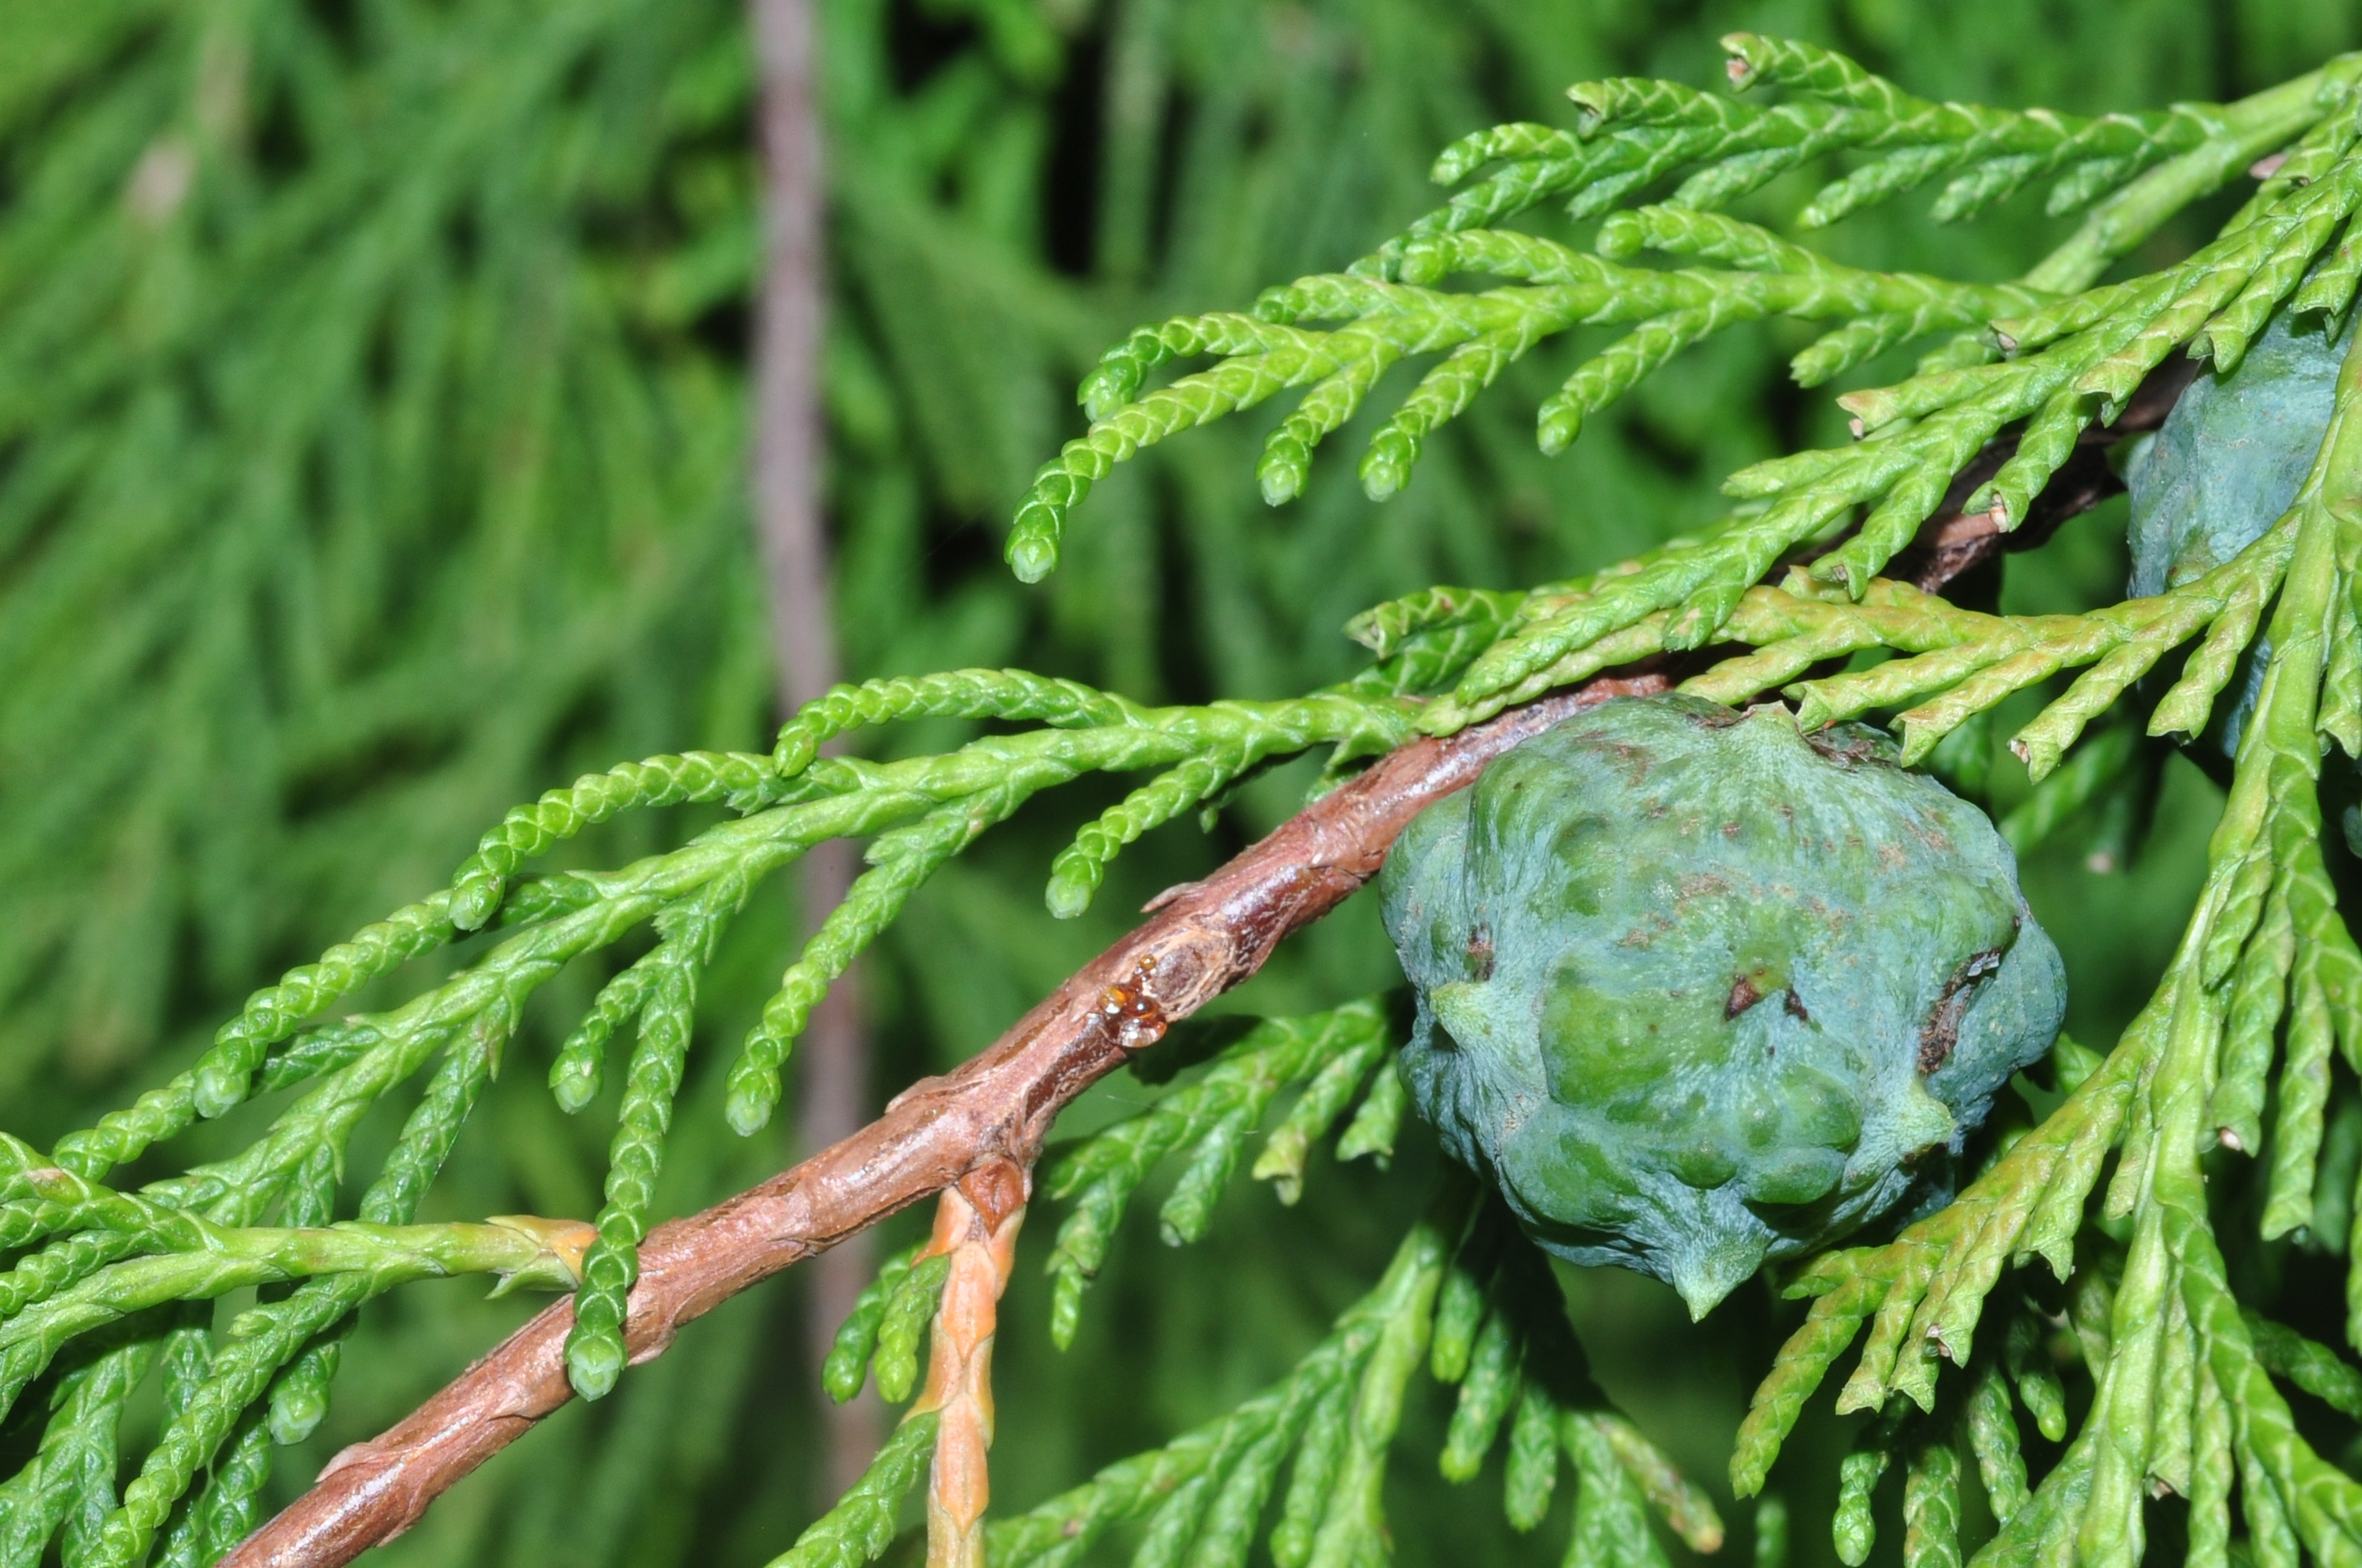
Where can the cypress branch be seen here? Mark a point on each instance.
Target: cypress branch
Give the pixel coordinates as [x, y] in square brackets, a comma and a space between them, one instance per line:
[1952, 461]
[1204, 940]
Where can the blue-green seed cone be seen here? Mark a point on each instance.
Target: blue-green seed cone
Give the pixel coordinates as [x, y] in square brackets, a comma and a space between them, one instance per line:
[1696, 990]
[2227, 462]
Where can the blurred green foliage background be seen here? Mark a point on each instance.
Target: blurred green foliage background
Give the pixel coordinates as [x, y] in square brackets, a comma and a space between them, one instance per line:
[372, 401]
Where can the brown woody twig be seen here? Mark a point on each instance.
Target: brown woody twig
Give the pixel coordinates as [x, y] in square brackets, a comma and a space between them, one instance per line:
[976, 1222]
